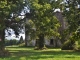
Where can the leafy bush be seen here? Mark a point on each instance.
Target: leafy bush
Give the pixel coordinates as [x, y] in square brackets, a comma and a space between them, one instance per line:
[78, 48]
[11, 42]
[68, 45]
[7, 42]
[22, 45]
[21, 40]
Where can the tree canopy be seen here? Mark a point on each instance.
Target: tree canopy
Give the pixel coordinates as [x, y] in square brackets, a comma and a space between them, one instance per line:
[72, 15]
[43, 19]
[9, 12]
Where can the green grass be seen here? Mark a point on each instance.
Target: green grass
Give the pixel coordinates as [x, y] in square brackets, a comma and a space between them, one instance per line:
[28, 53]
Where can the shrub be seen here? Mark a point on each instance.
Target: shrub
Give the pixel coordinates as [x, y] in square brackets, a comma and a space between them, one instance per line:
[78, 48]
[11, 42]
[7, 42]
[68, 45]
[22, 45]
[21, 40]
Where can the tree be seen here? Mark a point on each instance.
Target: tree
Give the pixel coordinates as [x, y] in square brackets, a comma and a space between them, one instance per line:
[21, 40]
[9, 12]
[43, 21]
[72, 15]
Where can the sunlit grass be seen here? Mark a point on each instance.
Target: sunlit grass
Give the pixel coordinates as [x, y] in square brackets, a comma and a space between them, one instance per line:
[28, 53]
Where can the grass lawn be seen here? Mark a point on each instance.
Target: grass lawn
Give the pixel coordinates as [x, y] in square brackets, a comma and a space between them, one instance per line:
[28, 53]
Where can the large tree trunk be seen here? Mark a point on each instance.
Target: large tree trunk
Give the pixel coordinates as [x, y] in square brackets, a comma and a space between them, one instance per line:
[2, 37]
[3, 52]
[41, 41]
[27, 38]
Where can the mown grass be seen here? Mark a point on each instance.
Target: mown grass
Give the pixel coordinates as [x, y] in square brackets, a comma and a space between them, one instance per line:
[28, 53]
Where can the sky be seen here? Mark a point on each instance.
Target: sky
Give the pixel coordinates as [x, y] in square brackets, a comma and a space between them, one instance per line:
[13, 36]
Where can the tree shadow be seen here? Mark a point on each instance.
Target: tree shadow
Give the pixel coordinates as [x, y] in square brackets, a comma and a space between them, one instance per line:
[41, 54]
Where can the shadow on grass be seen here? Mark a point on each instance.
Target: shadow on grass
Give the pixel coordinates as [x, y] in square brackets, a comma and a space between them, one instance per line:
[18, 46]
[31, 54]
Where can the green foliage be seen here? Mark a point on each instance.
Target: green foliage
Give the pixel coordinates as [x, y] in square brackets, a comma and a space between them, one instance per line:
[21, 40]
[71, 43]
[7, 42]
[72, 16]
[68, 45]
[44, 22]
[43, 18]
[76, 36]
[11, 42]
[7, 8]
[72, 20]
[21, 45]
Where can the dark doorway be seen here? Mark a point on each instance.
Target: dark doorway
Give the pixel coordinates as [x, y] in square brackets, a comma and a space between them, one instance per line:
[36, 42]
[51, 41]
